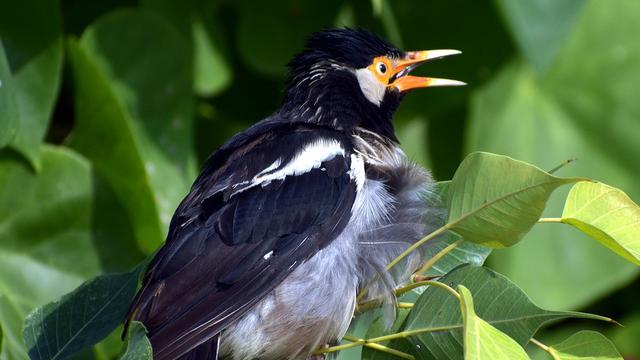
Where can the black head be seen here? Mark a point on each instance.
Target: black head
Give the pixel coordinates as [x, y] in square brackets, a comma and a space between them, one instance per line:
[349, 78]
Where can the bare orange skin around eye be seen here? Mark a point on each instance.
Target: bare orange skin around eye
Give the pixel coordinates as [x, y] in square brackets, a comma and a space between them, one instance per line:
[383, 77]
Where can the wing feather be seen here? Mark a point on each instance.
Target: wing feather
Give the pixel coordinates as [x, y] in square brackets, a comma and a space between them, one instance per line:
[232, 240]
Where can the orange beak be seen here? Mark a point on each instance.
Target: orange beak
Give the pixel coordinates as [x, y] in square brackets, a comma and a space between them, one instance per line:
[401, 79]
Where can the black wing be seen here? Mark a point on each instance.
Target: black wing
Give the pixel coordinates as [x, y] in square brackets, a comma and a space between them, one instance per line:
[232, 241]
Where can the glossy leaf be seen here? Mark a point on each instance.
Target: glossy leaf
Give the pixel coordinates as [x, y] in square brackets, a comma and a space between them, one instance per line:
[540, 27]
[35, 61]
[607, 215]
[81, 318]
[45, 245]
[481, 340]
[498, 301]
[488, 207]
[585, 345]
[135, 126]
[526, 117]
[138, 346]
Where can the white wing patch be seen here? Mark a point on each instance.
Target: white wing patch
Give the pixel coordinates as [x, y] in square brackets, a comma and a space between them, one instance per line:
[310, 157]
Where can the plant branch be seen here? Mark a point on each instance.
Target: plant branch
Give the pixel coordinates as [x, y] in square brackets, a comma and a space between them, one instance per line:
[429, 263]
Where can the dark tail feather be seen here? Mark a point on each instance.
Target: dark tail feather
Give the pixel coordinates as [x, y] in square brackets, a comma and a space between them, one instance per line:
[205, 351]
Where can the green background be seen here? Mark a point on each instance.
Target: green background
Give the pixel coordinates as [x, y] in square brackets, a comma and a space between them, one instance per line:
[108, 107]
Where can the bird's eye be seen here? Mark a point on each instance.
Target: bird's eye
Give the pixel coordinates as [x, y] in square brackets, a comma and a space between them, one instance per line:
[382, 68]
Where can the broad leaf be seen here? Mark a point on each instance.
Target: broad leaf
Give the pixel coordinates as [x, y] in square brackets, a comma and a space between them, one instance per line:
[200, 31]
[261, 23]
[465, 253]
[8, 105]
[377, 328]
[81, 318]
[32, 39]
[515, 115]
[483, 341]
[540, 27]
[46, 247]
[589, 345]
[605, 214]
[134, 115]
[497, 300]
[494, 200]
[138, 346]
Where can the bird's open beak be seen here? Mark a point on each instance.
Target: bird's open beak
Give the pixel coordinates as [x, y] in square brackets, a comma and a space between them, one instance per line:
[401, 79]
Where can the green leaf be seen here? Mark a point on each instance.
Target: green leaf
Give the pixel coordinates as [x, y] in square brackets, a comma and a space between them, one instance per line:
[198, 23]
[377, 328]
[138, 346]
[570, 112]
[8, 105]
[540, 27]
[494, 200]
[626, 338]
[481, 340]
[32, 40]
[585, 345]
[465, 253]
[46, 248]
[607, 215]
[134, 115]
[81, 318]
[260, 23]
[498, 301]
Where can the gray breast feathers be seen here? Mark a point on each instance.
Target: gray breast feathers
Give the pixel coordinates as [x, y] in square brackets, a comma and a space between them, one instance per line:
[406, 189]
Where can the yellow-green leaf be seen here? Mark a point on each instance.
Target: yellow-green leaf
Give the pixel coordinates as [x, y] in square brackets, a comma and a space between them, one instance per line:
[585, 345]
[607, 215]
[483, 341]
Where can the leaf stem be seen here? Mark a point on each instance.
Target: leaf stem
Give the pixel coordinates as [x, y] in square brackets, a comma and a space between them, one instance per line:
[398, 335]
[429, 263]
[562, 164]
[546, 348]
[382, 348]
[550, 220]
[417, 244]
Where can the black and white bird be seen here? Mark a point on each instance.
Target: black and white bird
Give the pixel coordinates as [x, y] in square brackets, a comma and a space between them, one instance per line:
[293, 216]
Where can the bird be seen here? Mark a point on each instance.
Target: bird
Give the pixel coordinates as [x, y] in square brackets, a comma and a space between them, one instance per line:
[293, 217]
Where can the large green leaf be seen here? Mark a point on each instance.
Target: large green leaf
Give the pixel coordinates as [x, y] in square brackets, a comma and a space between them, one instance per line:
[8, 105]
[81, 318]
[199, 26]
[494, 200]
[32, 38]
[45, 245]
[589, 345]
[138, 346]
[498, 301]
[607, 215]
[570, 112]
[265, 37]
[540, 27]
[481, 340]
[134, 115]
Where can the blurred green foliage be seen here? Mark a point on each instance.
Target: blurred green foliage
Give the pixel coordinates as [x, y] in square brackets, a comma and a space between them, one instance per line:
[108, 107]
